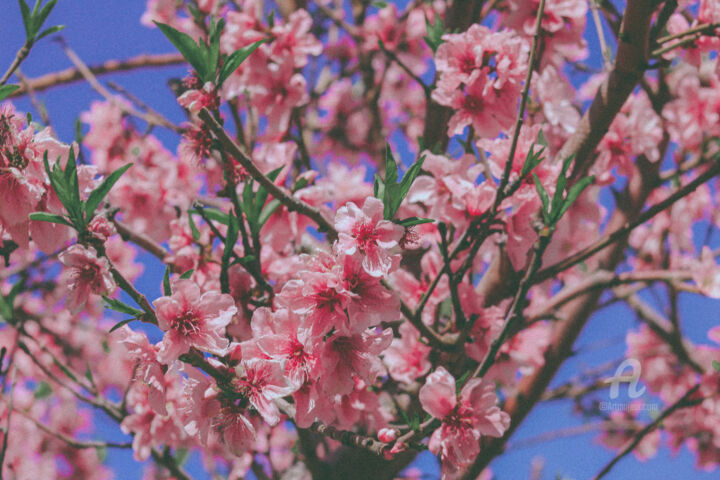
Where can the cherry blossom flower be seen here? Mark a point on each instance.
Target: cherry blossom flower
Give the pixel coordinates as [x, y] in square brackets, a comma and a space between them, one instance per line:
[193, 320]
[465, 418]
[366, 232]
[88, 274]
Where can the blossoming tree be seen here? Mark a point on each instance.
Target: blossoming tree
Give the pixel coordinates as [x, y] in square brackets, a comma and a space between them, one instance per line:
[384, 227]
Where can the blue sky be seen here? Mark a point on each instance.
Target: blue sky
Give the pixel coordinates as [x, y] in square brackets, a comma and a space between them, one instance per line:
[107, 29]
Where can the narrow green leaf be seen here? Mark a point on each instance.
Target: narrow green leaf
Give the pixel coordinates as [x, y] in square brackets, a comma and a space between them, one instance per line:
[213, 214]
[118, 306]
[167, 290]
[267, 211]
[187, 274]
[6, 310]
[7, 90]
[191, 51]
[193, 228]
[412, 221]
[435, 31]
[234, 60]
[49, 217]
[574, 193]
[120, 324]
[541, 140]
[542, 193]
[50, 31]
[43, 390]
[379, 187]
[300, 184]
[409, 177]
[391, 177]
[99, 194]
[230, 239]
[213, 51]
[25, 10]
[43, 14]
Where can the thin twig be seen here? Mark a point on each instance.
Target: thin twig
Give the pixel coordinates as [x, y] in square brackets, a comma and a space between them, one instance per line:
[7, 426]
[292, 203]
[151, 117]
[616, 235]
[684, 402]
[71, 75]
[20, 56]
[523, 102]
[73, 442]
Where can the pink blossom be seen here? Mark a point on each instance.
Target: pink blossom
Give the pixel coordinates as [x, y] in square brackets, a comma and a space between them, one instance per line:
[262, 381]
[464, 419]
[197, 99]
[191, 320]
[88, 274]
[407, 357]
[284, 336]
[366, 232]
[344, 357]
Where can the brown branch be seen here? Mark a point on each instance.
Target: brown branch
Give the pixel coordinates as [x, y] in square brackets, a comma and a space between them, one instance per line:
[72, 442]
[292, 203]
[20, 56]
[628, 226]
[628, 68]
[523, 102]
[72, 75]
[684, 402]
[151, 117]
[140, 239]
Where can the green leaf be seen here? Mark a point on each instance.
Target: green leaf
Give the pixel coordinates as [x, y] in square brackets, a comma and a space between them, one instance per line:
[43, 390]
[460, 381]
[542, 193]
[57, 180]
[42, 15]
[167, 290]
[193, 228]
[120, 324]
[7, 90]
[716, 365]
[99, 194]
[101, 453]
[213, 214]
[213, 50]
[412, 221]
[574, 193]
[231, 238]
[379, 187]
[532, 160]
[393, 193]
[50, 31]
[6, 310]
[541, 140]
[267, 211]
[49, 217]
[435, 31]
[191, 51]
[26, 16]
[187, 274]
[379, 5]
[300, 184]
[121, 307]
[235, 59]
[409, 178]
